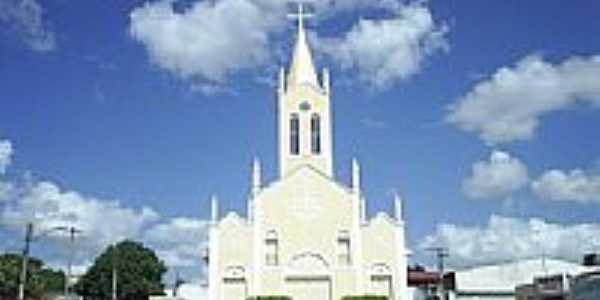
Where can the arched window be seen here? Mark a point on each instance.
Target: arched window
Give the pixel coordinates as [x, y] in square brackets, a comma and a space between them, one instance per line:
[315, 129]
[272, 249]
[294, 134]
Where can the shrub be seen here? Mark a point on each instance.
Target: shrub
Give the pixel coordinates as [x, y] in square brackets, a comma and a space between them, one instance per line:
[365, 297]
[269, 298]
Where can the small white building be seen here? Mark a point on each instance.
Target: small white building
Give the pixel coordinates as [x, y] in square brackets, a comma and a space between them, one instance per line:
[187, 291]
[498, 282]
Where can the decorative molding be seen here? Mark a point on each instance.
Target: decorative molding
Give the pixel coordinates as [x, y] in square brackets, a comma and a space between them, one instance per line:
[308, 263]
[234, 273]
[380, 269]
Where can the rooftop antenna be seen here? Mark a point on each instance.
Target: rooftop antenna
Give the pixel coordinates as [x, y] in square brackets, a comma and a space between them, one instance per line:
[537, 232]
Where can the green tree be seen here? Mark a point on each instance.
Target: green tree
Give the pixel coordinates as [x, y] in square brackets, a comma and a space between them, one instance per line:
[40, 280]
[139, 273]
[54, 281]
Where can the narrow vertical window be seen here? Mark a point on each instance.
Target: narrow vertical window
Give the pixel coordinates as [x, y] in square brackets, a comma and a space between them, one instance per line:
[315, 128]
[294, 134]
[272, 249]
[344, 254]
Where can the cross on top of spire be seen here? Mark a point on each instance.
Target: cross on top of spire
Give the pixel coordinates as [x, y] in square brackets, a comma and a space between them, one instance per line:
[302, 69]
[300, 15]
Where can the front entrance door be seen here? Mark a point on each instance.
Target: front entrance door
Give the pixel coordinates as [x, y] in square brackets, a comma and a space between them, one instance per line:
[309, 288]
[381, 285]
[234, 289]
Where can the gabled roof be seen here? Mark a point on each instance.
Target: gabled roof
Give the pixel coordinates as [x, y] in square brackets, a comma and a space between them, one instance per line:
[381, 217]
[233, 218]
[307, 167]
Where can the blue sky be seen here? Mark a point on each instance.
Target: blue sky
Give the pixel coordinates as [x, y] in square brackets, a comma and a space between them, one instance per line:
[94, 101]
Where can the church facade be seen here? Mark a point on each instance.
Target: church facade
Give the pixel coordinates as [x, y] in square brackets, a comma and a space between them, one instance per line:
[306, 235]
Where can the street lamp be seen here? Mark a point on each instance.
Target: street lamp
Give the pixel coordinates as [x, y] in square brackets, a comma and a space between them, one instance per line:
[29, 238]
[72, 232]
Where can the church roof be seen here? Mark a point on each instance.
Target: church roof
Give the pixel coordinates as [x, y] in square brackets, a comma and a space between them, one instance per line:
[311, 170]
[302, 69]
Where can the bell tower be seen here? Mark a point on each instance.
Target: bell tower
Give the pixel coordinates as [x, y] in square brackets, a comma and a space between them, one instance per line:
[304, 111]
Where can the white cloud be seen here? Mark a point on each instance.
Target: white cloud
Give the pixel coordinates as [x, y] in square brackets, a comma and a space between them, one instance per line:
[328, 8]
[205, 44]
[47, 205]
[6, 189]
[6, 152]
[505, 239]
[575, 185]
[211, 39]
[508, 106]
[498, 177]
[382, 52]
[25, 19]
[77, 269]
[179, 241]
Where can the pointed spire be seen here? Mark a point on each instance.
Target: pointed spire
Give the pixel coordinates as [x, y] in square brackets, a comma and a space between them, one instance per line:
[302, 70]
[363, 210]
[214, 209]
[250, 210]
[256, 186]
[398, 207]
[256, 177]
[281, 80]
[355, 176]
[326, 81]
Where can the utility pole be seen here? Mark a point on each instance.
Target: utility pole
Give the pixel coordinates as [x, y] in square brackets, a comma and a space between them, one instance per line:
[441, 253]
[25, 258]
[114, 283]
[178, 283]
[72, 232]
[114, 273]
[29, 238]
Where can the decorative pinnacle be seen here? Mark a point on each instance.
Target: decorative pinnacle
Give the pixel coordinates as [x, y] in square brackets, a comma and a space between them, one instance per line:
[214, 206]
[399, 207]
[256, 177]
[355, 176]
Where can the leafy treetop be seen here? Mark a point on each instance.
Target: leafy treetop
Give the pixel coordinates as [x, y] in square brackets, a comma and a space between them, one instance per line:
[40, 280]
[138, 270]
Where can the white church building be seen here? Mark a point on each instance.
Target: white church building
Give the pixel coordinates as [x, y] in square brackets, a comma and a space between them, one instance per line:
[306, 235]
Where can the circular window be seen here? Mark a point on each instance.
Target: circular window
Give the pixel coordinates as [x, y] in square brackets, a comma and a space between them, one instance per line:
[304, 106]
